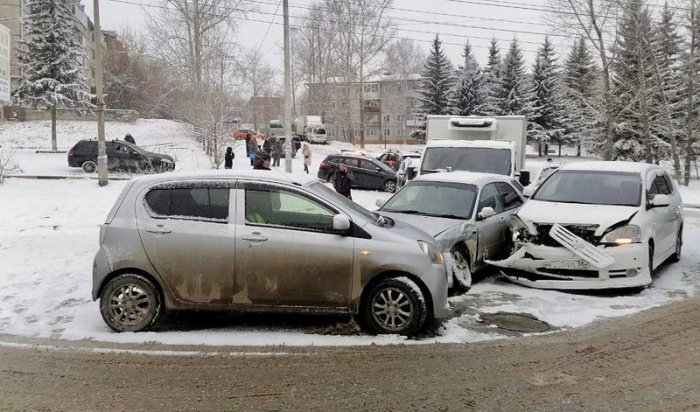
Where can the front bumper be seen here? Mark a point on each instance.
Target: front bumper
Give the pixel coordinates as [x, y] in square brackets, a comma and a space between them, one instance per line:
[435, 279]
[548, 267]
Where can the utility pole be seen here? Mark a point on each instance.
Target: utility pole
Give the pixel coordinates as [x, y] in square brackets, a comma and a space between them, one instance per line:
[99, 111]
[287, 93]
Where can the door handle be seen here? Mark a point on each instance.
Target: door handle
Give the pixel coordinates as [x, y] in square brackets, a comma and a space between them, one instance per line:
[254, 237]
[158, 230]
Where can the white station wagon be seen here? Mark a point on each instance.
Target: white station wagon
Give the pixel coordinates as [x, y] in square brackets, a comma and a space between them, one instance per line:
[596, 225]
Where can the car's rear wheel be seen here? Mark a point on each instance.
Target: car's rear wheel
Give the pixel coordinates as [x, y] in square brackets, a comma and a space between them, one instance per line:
[389, 186]
[461, 272]
[394, 305]
[130, 303]
[676, 256]
[89, 166]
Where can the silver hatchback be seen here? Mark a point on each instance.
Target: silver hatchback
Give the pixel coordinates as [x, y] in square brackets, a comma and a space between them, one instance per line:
[259, 241]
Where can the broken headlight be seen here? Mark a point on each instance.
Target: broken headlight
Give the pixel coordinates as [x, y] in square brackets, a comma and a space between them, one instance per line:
[623, 236]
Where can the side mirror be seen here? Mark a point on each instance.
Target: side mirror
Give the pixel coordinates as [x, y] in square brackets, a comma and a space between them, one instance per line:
[486, 213]
[524, 178]
[410, 173]
[528, 191]
[449, 169]
[341, 223]
[660, 201]
[379, 202]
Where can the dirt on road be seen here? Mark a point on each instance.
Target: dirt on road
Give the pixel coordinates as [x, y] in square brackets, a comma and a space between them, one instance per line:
[648, 361]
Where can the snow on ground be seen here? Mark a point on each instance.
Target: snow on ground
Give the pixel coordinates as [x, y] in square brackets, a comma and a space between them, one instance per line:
[49, 235]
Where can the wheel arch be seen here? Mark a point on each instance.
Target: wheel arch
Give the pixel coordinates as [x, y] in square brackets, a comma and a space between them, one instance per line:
[154, 280]
[395, 274]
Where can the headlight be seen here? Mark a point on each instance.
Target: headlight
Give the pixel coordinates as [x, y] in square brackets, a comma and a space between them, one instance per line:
[167, 161]
[623, 235]
[517, 223]
[432, 252]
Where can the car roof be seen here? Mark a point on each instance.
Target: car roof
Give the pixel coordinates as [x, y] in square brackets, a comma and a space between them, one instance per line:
[462, 177]
[272, 176]
[611, 166]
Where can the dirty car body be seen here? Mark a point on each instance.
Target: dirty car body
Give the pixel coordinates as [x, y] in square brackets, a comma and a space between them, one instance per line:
[596, 225]
[259, 241]
[467, 213]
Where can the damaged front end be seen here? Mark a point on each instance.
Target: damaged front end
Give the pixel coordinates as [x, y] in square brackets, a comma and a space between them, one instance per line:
[554, 256]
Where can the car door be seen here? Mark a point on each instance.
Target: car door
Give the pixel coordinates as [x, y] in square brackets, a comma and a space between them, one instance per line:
[373, 178]
[490, 229]
[511, 201]
[287, 253]
[186, 234]
[664, 219]
[113, 159]
[357, 173]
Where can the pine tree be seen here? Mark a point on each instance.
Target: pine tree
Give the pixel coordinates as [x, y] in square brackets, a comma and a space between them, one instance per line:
[492, 78]
[547, 111]
[437, 82]
[512, 92]
[50, 73]
[580, 85]
[633, 84]
[469, 97]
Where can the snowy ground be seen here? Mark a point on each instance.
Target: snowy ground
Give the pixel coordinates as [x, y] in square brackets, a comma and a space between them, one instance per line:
[49, 235]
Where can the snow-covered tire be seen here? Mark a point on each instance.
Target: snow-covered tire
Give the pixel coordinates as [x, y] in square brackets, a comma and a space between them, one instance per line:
[394, 305]
[130, 303]
[89, 166]
[676, 256]
[389, 186]
[461, 272]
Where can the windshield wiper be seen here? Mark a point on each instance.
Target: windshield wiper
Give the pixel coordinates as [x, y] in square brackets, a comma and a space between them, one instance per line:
[446, 216]
[408, 212]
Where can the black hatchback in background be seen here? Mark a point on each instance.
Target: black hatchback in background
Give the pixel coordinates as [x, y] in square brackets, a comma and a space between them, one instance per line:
[370, 173]
[121, 156]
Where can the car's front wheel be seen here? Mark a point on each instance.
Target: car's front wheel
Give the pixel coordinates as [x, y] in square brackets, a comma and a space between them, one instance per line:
[130, 303]
[389, 186]
[89, 166]
[676, 256]
[394, 305]
[460, 270]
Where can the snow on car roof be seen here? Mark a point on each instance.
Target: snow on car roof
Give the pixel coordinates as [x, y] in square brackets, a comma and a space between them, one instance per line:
[611, 166]
[270, 175]
[473, 178]
[496, 144]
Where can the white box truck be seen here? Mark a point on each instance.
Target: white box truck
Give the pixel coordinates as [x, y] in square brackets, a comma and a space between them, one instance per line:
[476, 144]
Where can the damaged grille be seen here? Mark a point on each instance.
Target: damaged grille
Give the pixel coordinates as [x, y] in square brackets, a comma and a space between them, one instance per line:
[585, 232]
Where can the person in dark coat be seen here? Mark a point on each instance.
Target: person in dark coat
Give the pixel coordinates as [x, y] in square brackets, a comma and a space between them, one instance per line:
[276, 150]
[262, 160]
[129, 138]
[228, 158]
[342, 180]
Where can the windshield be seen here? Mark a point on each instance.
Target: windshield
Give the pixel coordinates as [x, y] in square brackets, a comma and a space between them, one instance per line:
[133, 147]
[471, 159]
[323, 191]
[319, 131]
[442, 199]
[592, 188]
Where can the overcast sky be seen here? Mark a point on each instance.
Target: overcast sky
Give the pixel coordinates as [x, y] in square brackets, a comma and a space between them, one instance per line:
[455, 21]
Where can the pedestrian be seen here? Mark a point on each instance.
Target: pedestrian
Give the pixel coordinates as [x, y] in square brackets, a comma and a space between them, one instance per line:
[252, 147]
[342, 180]
[306, 151]
[228, 158]
[276, 150]
[262, 160]
[129, 138]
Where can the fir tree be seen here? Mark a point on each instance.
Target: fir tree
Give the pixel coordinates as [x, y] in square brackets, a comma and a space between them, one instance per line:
[492, 77]
[437, 81]
[547, 111]
[50, 73]
[512, 91]
[469, 97]
[580, 84]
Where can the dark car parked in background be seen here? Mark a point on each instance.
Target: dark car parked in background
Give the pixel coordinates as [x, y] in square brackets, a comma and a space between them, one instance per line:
[121, 156]
[370, 173]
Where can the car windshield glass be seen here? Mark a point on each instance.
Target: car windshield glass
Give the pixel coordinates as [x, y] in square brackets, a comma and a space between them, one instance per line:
[134, 147]
[471, 159]
[323, 191]
[591, 187]
[434, 199]
[320, 131]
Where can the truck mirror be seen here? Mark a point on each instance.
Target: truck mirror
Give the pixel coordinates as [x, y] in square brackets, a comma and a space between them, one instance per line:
[524, 177]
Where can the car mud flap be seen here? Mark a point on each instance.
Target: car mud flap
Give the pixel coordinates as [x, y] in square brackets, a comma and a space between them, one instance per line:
[586, 251]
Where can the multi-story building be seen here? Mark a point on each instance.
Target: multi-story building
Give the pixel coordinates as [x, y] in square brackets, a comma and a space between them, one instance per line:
[12, 13]
[389, 108]
[261, 109]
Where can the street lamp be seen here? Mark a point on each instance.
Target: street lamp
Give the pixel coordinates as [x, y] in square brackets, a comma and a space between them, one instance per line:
[99, 111]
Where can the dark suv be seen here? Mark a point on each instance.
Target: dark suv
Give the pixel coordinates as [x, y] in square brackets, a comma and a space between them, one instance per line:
[370, 173]
[121, 156]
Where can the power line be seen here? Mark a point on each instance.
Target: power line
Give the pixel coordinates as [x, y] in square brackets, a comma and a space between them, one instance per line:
[269, 26]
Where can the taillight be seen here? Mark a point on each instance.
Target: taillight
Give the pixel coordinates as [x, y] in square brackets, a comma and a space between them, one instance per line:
[324, 165]
[70, 153]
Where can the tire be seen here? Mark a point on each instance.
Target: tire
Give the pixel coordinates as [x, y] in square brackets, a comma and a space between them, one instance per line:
[462, 281]
[394, 305]
[651, 261]
[130, 303]
[389, 186]
[676, 256]
[89, 166]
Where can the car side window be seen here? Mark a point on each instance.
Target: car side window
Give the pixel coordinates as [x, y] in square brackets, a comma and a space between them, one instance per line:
[193, 203]
[669, 182]
[367, 165]
[509, 197]
[350, 161]
[283, 208]
[490, 198]
[658, 186]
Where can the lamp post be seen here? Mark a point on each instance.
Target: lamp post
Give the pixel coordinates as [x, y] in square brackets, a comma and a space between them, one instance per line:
[287, 92]
[99, 111]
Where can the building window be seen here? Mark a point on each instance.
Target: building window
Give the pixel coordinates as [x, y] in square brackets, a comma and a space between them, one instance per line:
[386, 132]
[371, 88]
[370, 132]
[387, 118]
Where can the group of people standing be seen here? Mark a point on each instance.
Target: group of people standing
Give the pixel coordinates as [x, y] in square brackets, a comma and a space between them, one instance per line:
[256, 155]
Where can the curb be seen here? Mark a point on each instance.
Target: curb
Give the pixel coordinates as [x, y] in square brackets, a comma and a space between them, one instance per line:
[49, 151]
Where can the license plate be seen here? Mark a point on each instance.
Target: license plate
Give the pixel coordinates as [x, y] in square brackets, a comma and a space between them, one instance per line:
[567, 264]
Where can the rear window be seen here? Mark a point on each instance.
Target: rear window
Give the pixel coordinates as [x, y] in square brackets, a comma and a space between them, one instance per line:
[189, 203]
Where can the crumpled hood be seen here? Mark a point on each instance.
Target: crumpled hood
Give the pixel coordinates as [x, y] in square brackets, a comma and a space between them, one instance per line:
[535, 211]
[429, 224]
